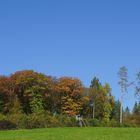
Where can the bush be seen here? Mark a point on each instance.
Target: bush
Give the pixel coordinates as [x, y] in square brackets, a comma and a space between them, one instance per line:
[2, 117]
[35, 121]
[41, 120]
[93, 122]
[128, 124]
[66, 121]
[114, 123]
[52, 121]
[19, 119]
[7, 125]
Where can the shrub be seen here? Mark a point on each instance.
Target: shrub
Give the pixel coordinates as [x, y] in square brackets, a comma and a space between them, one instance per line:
[66, 121]
[2, 117]
[19, 119]
[7, 125]
[41, 120]
[93, 122]
[114, 123]
[35, 121]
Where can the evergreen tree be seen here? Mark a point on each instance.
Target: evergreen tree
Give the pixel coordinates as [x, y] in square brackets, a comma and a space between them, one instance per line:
[93, 91]
[135, 108]
[116, 111]
[101, 99]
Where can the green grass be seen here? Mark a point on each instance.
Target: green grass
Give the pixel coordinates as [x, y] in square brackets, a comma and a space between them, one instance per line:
[73, 134]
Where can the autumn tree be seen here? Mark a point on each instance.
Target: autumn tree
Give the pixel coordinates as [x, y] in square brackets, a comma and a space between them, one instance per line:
[86, 110]
[71, 95]
[53, 96]
[136, 113]
[6, 93]
[30, 88]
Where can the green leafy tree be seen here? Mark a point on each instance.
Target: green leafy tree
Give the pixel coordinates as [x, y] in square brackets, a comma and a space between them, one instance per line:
[94, 94]
[102, 99]
[15, 106]
[108, 103]
[35, 98]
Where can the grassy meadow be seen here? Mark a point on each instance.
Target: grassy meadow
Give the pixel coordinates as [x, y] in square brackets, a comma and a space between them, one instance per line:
[72, 134]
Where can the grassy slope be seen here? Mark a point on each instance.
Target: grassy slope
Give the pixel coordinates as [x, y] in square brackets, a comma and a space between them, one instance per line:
[73, 134]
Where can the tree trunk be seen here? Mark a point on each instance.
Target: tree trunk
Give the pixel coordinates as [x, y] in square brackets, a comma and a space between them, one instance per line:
[121, 113]
[93, 111]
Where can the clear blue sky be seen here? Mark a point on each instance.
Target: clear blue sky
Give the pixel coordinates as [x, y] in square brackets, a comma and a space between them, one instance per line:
[80, 38]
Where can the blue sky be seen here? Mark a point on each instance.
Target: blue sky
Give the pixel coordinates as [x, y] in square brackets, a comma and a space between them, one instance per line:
[78, 38]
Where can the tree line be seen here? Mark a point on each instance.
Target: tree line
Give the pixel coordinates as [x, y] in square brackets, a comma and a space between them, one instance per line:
[29, 95]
